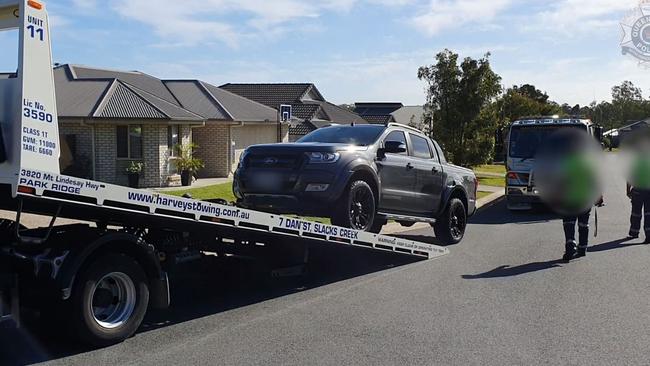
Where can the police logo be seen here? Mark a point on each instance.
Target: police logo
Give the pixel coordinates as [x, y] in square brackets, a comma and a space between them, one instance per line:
[636, 33]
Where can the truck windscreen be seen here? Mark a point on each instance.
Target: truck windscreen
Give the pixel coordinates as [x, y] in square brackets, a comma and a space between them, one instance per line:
[526, 140]
[354, 135]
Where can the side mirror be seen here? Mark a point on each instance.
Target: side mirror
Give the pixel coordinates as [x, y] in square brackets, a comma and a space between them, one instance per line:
[394, 147]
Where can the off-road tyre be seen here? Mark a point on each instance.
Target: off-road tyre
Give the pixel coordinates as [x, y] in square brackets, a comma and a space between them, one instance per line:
[450, 226]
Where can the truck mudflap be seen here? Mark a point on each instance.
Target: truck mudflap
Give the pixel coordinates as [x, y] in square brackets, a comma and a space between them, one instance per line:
[9, 305]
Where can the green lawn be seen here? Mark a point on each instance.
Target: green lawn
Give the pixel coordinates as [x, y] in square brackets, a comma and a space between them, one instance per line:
[491, 181]
[493, 169]
[223, 190]
[480, 194]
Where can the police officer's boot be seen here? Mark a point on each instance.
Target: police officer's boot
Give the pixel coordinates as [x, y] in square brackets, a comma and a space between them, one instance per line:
[582, 252]
[570, 251]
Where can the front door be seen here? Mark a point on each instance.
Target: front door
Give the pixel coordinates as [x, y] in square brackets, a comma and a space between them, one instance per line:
[397, 178]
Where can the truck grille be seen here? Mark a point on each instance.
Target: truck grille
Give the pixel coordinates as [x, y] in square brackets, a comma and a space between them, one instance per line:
[273, 161]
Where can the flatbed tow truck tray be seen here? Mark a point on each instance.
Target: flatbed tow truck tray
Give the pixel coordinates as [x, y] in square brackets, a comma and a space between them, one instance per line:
[61, 260]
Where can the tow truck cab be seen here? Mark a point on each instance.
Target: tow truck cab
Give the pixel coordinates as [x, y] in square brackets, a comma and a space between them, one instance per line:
[524, 139]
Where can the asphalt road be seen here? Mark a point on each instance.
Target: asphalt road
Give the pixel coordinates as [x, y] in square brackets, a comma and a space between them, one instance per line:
[501, 297]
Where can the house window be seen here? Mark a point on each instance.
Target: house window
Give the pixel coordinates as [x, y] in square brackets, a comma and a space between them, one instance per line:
[173, 138]
[129, 142]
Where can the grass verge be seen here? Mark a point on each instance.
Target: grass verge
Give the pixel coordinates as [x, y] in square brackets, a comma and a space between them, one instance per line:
[491, 181]
[492, 169]
[480, 194]
[223, 190]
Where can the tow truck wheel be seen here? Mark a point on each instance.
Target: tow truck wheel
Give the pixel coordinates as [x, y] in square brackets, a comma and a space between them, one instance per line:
[110, 300]
[450, 227]
[356, 208]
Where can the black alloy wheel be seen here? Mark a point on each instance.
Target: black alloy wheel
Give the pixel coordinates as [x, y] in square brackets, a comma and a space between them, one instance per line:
[356, 208]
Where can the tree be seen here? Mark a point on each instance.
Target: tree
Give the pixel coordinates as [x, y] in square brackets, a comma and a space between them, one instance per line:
[517, 103]
[460, 106]
[626, 92]
[530, 91]
[628, 103]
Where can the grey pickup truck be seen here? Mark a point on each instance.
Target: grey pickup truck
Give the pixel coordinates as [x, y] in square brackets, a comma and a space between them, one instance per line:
[360, 176]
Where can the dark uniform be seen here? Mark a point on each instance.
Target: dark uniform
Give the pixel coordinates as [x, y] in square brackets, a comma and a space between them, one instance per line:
[639, 192]
[640, 210]
[573, 247]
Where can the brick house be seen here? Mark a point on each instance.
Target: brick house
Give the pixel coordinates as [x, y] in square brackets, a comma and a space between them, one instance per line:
[232, 121]
[109, 118]
[310, 109]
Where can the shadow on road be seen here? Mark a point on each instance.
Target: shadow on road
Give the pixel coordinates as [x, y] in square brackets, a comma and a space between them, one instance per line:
[205, 288]
[507, 271]
[613, 245]
[499, 214]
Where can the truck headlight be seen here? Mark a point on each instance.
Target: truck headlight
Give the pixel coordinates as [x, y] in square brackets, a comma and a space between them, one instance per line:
[318, 157]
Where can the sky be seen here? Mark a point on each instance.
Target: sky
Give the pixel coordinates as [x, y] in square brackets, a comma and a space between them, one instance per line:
[353, 50]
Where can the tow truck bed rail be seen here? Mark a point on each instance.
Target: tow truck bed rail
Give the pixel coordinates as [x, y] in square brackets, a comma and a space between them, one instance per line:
[121, 206]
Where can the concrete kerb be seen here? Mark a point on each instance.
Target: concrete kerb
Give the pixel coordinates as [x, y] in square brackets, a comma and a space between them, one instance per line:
[482, 204]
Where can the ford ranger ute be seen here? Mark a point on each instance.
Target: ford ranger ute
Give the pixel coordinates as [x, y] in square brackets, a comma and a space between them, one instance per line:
[360, 176]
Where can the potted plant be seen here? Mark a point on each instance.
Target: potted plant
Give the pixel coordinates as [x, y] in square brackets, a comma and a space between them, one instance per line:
[186, 163]
[133, 171]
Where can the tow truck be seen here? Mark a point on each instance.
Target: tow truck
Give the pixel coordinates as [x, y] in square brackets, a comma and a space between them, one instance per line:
[100, 278]
[525, 137]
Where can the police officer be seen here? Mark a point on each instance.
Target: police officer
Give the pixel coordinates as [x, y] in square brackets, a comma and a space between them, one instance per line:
[638, 190]
[567, 175]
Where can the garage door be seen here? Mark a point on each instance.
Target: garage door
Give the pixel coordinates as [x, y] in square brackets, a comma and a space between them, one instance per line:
[248, 135]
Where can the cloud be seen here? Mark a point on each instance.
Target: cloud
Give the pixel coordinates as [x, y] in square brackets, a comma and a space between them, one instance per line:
[58, 21]
[85, 4]
[441, 15]
[192, 22]
[580, 17]
[573, 80]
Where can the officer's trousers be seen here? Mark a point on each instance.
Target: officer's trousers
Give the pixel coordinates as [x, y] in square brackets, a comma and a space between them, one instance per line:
[640, 210]
[583, 231]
